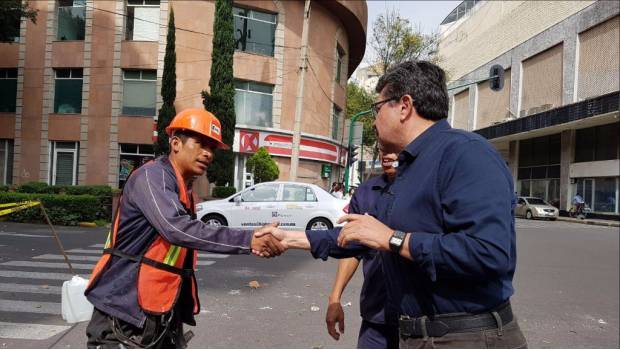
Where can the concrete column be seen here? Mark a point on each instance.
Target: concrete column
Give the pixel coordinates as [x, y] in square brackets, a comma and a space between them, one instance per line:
[117, 95]
[567, 156]
[569, 67]
[513, 160]
[516, 76]
[473, 107]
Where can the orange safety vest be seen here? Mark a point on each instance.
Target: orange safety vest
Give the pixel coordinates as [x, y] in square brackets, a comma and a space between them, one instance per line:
[161, 269]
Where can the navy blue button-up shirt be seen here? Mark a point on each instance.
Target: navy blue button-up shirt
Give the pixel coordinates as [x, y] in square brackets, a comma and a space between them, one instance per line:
[373, 296]
[454, 194]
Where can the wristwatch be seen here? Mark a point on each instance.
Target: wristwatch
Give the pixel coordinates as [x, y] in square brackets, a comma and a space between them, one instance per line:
[396, 241]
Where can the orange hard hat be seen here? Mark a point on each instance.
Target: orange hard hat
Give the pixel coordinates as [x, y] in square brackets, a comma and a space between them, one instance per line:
[199, 121]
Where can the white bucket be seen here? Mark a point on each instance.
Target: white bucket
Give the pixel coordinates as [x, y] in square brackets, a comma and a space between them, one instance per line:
[74, 305]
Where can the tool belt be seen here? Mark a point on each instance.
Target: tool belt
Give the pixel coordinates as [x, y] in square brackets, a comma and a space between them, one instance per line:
[440, 325]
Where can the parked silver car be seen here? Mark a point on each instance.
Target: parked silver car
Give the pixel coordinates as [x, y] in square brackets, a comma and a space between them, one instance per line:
[535, 208]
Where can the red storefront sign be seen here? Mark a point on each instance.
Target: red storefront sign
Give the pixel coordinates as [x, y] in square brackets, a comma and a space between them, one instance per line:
[282, 145]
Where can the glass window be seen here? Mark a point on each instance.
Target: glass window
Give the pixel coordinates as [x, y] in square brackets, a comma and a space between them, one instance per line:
[63, 163]
[8, 89]
[71, 22]
[6, 162]
[68, 91]
[295, 193]
[12, 30]
[605, 195]
[539, 188]
[254, 31]
[525, 188]
[336, 116]
[139, 92]
[253, 103]
[142, 20]
[132, 156]
[597, 143]
[340, 56]
[263, 193]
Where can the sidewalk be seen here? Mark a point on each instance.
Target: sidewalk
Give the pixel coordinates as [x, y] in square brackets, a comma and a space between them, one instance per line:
[597, 222]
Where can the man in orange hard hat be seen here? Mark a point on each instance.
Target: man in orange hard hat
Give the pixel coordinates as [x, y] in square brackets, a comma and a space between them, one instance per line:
[143, 287]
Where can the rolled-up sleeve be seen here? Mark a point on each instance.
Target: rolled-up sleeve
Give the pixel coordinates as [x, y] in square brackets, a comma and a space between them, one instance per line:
[324, 244]
[154, 193]
[477, 201]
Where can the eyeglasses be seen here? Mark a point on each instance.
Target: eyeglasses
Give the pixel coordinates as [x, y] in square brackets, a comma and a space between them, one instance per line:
[376, 107]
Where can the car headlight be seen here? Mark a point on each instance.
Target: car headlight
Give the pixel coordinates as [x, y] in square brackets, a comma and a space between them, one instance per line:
[540, 210]
[199, 207]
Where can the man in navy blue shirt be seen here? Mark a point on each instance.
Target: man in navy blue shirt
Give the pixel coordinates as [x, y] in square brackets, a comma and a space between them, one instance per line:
[376, 332]
[445, 230]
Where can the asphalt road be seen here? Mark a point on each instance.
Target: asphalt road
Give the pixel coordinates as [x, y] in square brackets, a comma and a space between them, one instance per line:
[566, 291]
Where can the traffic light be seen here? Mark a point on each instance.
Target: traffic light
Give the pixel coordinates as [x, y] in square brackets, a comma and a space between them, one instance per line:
[496, 77]
[352, 153]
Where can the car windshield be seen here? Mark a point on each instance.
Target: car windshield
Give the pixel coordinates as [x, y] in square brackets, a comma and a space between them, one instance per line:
[536, 201]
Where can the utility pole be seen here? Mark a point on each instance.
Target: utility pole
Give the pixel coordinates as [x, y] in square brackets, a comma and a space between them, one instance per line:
[303, 67]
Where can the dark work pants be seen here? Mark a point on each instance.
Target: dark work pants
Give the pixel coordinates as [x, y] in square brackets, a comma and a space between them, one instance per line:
[377, 336]
[510, 337]
[101, 334]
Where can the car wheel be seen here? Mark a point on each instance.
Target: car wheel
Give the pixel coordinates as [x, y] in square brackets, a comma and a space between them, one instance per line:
[214, 220]
[319, 224]
[529, 215]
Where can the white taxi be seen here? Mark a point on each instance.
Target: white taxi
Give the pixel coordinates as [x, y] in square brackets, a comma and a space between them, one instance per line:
[295, 205]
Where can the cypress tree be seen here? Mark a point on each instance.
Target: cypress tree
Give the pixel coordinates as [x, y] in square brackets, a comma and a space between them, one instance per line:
[220, 100]
[168, 90]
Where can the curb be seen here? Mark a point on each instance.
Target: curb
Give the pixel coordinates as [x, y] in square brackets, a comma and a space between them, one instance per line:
[591, 222]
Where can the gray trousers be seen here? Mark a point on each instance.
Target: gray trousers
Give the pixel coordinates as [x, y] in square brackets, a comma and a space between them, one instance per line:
[508, 337]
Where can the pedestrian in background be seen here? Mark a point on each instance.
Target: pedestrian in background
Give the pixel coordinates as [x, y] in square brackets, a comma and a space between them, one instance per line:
[376, 332]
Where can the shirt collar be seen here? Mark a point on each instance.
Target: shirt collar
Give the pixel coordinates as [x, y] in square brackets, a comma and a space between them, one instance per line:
[422, 141]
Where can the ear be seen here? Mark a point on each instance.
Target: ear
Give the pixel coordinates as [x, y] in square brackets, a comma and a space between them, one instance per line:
[407, 108]
[175, 145]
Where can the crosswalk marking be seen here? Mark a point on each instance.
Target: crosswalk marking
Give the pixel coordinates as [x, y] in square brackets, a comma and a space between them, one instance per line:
[23, 235]
[60, 265]
[36, 307]
[29, 330]
[212, 255]
[86, 251]
[100, 245]
[205, 263]
[29, 288]
[71, 257]
[37, 275]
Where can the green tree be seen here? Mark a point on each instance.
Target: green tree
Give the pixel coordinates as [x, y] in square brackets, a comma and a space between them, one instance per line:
[359, 100]
[11, 12]
[262, 166]
[220, 99]
[168, 90]
[394, 40]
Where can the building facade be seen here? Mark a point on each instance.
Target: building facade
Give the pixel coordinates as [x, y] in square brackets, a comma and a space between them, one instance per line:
[81, 88]
[556, 119]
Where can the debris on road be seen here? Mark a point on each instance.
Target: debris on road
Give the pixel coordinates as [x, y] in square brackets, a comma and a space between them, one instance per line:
[254, 284]
[234, 292]
[265, 308]
[347, 304]
[314, 308]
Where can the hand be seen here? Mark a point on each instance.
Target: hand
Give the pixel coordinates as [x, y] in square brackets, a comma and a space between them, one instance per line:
[366, 230]
[265, 244]
[334, 315]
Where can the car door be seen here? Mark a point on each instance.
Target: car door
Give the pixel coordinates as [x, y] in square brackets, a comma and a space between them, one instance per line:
[297, 206]
[521, 207]
[256, 205]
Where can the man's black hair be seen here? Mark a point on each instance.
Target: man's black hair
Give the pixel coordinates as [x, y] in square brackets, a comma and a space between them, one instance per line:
[184, 135]
[423, 81]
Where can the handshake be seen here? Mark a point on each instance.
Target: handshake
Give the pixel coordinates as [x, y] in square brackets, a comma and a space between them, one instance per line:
[269, 241]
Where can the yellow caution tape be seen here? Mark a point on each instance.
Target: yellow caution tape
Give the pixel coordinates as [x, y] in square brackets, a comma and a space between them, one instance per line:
[13, 207]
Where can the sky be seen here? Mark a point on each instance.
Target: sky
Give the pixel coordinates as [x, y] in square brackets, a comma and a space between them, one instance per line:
[425, 14]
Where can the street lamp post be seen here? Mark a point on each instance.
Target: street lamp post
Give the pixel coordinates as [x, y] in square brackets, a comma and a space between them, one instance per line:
[353, 120]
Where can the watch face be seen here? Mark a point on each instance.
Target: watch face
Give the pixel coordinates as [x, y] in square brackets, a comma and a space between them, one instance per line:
[395, 240]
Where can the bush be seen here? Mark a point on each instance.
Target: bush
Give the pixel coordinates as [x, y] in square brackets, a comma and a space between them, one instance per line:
[102, 192]
[62, 209]
[223, 191]
[4, 188]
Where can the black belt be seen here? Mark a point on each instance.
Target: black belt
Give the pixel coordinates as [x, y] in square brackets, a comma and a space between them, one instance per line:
[440, 325]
